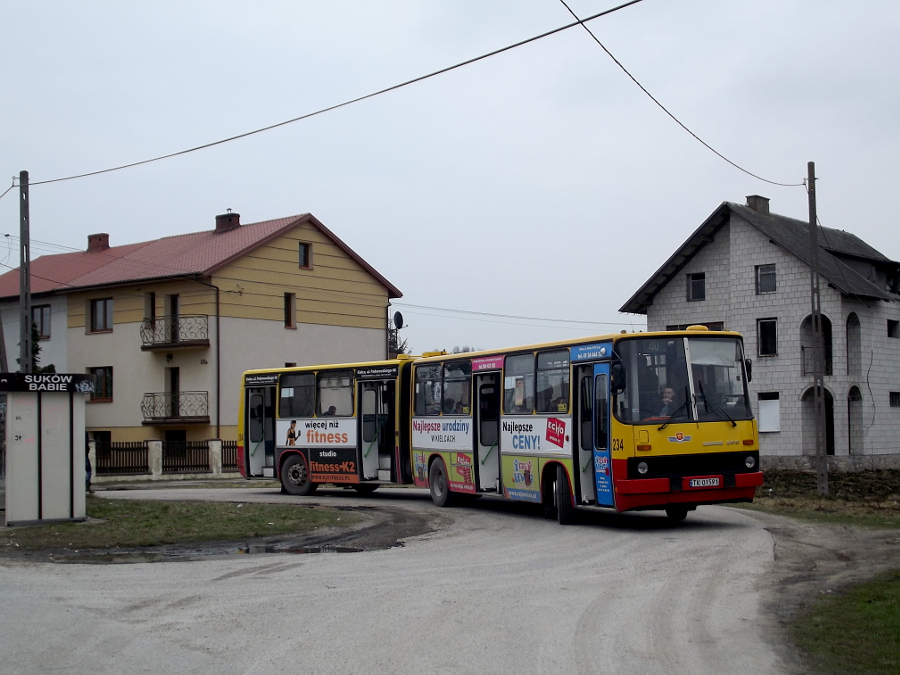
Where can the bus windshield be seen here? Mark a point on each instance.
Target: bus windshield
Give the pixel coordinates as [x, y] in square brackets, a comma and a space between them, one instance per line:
[682, 379]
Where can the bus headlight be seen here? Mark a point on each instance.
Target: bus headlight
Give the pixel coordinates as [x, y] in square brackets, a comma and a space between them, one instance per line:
[643, 468]
[750, 461]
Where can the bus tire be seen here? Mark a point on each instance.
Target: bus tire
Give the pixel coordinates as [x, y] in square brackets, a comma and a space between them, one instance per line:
[676, 513]
[565, 512]
[438, 484]
[295, 477]
[364, 488]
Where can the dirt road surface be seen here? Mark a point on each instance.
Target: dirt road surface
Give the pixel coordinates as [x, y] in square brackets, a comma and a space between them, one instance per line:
[487, 587]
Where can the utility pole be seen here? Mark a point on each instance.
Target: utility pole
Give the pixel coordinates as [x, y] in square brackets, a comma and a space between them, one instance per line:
[24, 277]
[818, 341]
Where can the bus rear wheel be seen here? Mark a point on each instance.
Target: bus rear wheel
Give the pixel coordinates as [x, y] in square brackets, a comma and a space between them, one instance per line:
[676, 513]
[565, 512]
[438, 484]
[364, 488]
[295, 477]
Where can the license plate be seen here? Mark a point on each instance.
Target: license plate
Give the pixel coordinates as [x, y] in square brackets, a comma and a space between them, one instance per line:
[704, 482]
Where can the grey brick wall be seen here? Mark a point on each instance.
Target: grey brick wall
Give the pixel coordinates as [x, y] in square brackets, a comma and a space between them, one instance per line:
[729, 262]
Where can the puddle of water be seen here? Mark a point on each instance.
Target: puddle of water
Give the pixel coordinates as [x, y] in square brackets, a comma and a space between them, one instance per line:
[309, 549]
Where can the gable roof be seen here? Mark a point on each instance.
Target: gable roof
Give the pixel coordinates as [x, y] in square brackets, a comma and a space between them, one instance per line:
[836, 249]
[194, 254]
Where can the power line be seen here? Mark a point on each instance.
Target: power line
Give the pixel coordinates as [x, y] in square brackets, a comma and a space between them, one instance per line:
[507, 316]
[666, 110]
[345, 103]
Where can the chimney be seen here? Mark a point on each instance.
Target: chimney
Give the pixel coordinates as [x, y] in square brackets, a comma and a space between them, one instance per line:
[98, 242]
[227, 222]
[758, 204]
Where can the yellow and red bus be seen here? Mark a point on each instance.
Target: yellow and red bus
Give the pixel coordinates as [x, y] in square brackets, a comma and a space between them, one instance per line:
[619, 422]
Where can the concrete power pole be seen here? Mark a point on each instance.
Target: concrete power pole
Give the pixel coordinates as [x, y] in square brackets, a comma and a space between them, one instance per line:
[24, 277]
[818, 339]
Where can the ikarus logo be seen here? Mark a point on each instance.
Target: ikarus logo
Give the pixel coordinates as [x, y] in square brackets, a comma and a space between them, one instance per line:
[679, 438]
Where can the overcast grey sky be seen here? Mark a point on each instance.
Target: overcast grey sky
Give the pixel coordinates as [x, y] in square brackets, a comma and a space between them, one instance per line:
[540, 182]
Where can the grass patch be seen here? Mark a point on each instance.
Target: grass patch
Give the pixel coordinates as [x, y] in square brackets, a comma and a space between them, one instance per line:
[126, 523]
[864, 498]
[856, 631]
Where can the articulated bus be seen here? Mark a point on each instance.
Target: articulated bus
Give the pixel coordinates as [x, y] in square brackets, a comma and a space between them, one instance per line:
[618, 422]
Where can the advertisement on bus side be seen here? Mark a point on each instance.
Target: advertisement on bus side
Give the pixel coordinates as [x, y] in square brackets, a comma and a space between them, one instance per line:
[521, 478]
[536, 435]
[442, 433]
[317, 432]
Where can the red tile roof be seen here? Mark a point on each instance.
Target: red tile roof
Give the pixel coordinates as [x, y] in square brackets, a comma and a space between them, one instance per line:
[198, 253]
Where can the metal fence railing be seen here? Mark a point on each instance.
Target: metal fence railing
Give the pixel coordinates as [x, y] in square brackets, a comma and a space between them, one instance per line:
[229, 456]
[122, 458]
[185, 456]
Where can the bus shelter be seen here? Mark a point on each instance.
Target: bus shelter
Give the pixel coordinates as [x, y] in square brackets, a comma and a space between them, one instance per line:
[45, 446]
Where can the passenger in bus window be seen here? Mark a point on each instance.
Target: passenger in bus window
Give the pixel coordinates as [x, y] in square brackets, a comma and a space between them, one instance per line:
[331, 412]
[449, 406]
[560, 404]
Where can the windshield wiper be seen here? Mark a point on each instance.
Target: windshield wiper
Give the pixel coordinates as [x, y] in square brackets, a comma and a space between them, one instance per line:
[676, 411]
[716, 409]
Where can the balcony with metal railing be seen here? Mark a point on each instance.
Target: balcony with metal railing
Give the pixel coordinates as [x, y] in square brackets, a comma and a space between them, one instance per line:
[808, 363]
[175, 332]
[186, 407]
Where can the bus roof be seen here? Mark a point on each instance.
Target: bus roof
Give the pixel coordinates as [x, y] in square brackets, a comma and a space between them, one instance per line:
[690, 331]
[401, 358]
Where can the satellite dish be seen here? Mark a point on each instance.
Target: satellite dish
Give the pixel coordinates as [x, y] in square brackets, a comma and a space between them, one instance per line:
[398, 320]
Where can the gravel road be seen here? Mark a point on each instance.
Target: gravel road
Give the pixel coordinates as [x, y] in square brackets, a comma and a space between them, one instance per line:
[487, 587]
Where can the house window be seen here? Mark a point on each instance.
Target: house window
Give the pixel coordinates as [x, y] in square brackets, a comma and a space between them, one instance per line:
[893, 329]
[765, 279]
[40, 317]
[103, 383]
[769, 411]
[696, 286]
[305, 255]
[290, 310]
[101, 315]
[767, 336]
[895, 399]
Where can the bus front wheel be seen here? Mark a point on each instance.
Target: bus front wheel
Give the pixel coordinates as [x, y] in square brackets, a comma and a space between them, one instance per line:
[295, 477]
[676, 513]
[438, 484]
[565, 512]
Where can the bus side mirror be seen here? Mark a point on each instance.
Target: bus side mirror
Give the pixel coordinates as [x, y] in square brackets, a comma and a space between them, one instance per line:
[617, 378]
[748, 365]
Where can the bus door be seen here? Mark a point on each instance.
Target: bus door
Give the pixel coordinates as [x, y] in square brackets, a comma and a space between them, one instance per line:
[377, 425]
[260, 432]
[487, 430]
[602, 456]
[583, 448]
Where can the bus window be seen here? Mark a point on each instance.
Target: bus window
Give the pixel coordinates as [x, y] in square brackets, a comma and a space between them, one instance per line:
[336, 393]
[518, 385]
[553, 382]
[587, 404]
[369, 414]
[257, 418]
[297, 397]
[457, 388]
[602, 427]
[652, 365]
[428, 390]
[719, 382]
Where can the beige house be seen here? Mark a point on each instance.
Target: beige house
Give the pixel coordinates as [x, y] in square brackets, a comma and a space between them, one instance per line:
[168, 326]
